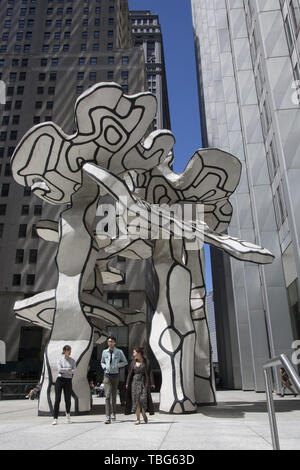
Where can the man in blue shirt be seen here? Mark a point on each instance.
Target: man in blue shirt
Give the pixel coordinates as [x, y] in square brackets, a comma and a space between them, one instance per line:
[112, 360]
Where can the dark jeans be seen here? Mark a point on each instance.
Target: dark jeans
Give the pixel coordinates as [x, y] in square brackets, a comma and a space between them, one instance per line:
[65, 385]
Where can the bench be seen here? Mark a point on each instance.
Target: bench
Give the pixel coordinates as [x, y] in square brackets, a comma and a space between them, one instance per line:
[15, 390]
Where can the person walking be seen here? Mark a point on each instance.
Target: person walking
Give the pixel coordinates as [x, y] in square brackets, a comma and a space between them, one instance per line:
[140, 382]
[112, 361]
[285, 382]
[66, 368]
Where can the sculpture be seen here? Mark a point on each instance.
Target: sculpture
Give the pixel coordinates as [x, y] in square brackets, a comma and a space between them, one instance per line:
[109, 154]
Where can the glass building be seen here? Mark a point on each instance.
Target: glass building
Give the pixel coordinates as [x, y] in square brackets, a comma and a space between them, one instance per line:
[247, 55]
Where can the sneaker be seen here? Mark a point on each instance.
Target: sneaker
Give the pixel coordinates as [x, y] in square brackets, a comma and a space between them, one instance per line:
[54, 422]
[113, 417]
[68, 418]
[107, 420]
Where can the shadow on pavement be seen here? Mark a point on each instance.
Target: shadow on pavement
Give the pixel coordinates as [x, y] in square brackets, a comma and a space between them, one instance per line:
[237, 409]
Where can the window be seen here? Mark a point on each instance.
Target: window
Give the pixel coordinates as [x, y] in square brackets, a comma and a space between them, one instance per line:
[19, 256]
[38, 210]
[5, 120]
[125, 60]
[34, 233]
[25, 210]
[3, 209]
[30, 279]
[7, 171]
[280, 207]
[22, 230]
[295, 12]
[1, 230]
[118, 300]
[5, 190]
[30, 343]
[289, 34]
[16, 280]
[294, 305]
[33, 256]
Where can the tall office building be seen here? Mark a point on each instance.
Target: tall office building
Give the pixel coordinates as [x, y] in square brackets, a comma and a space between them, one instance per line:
[212, 326]
[147, 34]
[247, 54]
[50, 52]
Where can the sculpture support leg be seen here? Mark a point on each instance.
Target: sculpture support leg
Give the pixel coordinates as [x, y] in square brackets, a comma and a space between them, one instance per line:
[75, 259]
[204, 374]
[172, 337]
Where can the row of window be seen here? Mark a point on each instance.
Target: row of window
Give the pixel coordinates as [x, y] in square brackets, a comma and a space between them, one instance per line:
[54, 62]
[20, 35]
[7, 169]
[266, 118]
[143, 21]
[30, 279]
[58, 11]
[29, 23]
[55, 48]
[25, 2]
[32, 258]
[10, 151]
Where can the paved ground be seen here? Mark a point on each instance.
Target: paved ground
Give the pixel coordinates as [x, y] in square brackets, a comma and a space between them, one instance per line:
[239, 422]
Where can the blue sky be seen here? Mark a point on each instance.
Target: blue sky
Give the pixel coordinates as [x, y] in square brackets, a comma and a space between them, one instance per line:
[177, 28]
[176, 21]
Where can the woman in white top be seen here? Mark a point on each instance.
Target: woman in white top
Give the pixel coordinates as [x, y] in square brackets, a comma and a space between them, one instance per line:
[66, 367]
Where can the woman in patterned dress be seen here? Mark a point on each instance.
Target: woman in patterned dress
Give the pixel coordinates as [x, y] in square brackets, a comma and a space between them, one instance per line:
[139, 383]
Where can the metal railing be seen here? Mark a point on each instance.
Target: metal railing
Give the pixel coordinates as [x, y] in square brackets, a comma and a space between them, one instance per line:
[283, 361]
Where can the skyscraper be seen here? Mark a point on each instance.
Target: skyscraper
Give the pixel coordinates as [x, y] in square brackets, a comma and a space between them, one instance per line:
[50, 52]
[147, 34]
[247, 55]
[212, 325]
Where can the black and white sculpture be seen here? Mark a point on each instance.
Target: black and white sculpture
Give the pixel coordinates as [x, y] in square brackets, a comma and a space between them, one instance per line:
[113, 153]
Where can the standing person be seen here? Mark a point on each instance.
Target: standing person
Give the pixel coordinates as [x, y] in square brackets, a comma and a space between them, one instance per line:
[66, 368]
[112, 360]
[139, 383]
[285, 382]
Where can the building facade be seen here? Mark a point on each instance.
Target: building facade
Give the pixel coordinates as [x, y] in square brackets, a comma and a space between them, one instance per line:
[212, 326]
[50, 52]
[247, 55]
[147, 34]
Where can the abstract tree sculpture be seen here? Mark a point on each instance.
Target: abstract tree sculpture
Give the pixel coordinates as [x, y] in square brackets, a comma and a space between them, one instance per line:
[112, 153]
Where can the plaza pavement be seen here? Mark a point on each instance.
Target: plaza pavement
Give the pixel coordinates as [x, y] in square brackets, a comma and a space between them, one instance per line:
[238, 422]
